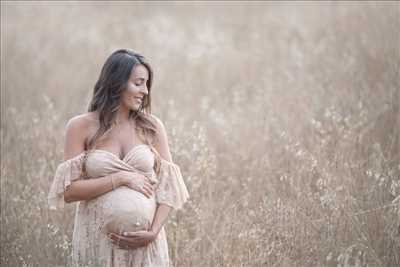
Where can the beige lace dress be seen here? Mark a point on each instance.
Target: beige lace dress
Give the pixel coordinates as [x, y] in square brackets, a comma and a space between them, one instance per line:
[123, 209]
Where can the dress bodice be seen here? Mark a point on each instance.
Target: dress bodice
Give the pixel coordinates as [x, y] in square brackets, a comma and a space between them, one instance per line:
[101, 162]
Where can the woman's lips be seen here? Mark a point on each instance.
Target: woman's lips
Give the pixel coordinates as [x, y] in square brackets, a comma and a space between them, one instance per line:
[139, 99]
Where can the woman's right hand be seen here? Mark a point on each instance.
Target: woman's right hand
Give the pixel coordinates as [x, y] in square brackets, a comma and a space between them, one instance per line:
[136, 181]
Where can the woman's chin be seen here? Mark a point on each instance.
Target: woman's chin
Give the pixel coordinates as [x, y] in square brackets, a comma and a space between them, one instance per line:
[135, 108]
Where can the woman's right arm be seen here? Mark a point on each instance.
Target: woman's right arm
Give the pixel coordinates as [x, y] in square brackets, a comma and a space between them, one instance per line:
[90, 188]
[85, 189]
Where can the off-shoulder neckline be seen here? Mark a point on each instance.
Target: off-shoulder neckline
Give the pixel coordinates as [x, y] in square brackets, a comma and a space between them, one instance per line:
[117, 157]
[83, 153]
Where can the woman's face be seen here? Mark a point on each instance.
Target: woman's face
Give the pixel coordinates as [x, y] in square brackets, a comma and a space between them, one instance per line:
[136, 88]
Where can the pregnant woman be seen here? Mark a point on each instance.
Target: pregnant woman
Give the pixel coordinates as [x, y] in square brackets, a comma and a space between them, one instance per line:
[118, 165]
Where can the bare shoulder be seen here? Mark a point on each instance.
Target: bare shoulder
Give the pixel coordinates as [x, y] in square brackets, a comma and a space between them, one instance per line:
[161, 136]
[81, 125]
[157, 121]
[81, 120]
[161, 143]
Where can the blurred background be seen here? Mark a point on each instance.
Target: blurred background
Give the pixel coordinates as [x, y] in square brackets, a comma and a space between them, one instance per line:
[283, 116]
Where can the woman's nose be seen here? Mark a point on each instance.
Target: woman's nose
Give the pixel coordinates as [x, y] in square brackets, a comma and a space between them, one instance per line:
[145, 90]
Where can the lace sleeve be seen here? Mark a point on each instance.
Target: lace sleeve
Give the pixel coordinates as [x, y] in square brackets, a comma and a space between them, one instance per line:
[171, 189]
[66, 172]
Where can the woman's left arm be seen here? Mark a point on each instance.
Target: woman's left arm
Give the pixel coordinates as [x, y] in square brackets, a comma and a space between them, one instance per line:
[162, 147]
[160, 218]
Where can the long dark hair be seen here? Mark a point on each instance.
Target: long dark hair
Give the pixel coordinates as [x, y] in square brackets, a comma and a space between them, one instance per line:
[107, 92]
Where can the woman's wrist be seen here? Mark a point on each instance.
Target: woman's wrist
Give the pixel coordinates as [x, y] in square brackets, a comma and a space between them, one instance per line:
[112, 182]
[117, 181]
[155, 230]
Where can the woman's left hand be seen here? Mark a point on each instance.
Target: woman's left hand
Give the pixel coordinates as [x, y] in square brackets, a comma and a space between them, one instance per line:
[132, 240]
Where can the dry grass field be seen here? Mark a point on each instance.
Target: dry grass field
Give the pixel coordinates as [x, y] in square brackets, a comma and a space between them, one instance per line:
[283, 116]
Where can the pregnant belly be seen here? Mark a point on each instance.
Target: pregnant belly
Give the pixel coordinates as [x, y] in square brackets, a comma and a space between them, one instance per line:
[125, 209]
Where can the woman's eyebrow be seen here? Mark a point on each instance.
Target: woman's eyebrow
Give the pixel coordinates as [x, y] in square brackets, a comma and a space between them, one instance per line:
[140, 78]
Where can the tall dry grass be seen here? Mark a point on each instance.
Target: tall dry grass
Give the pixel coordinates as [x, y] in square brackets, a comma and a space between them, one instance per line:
[284, 118]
